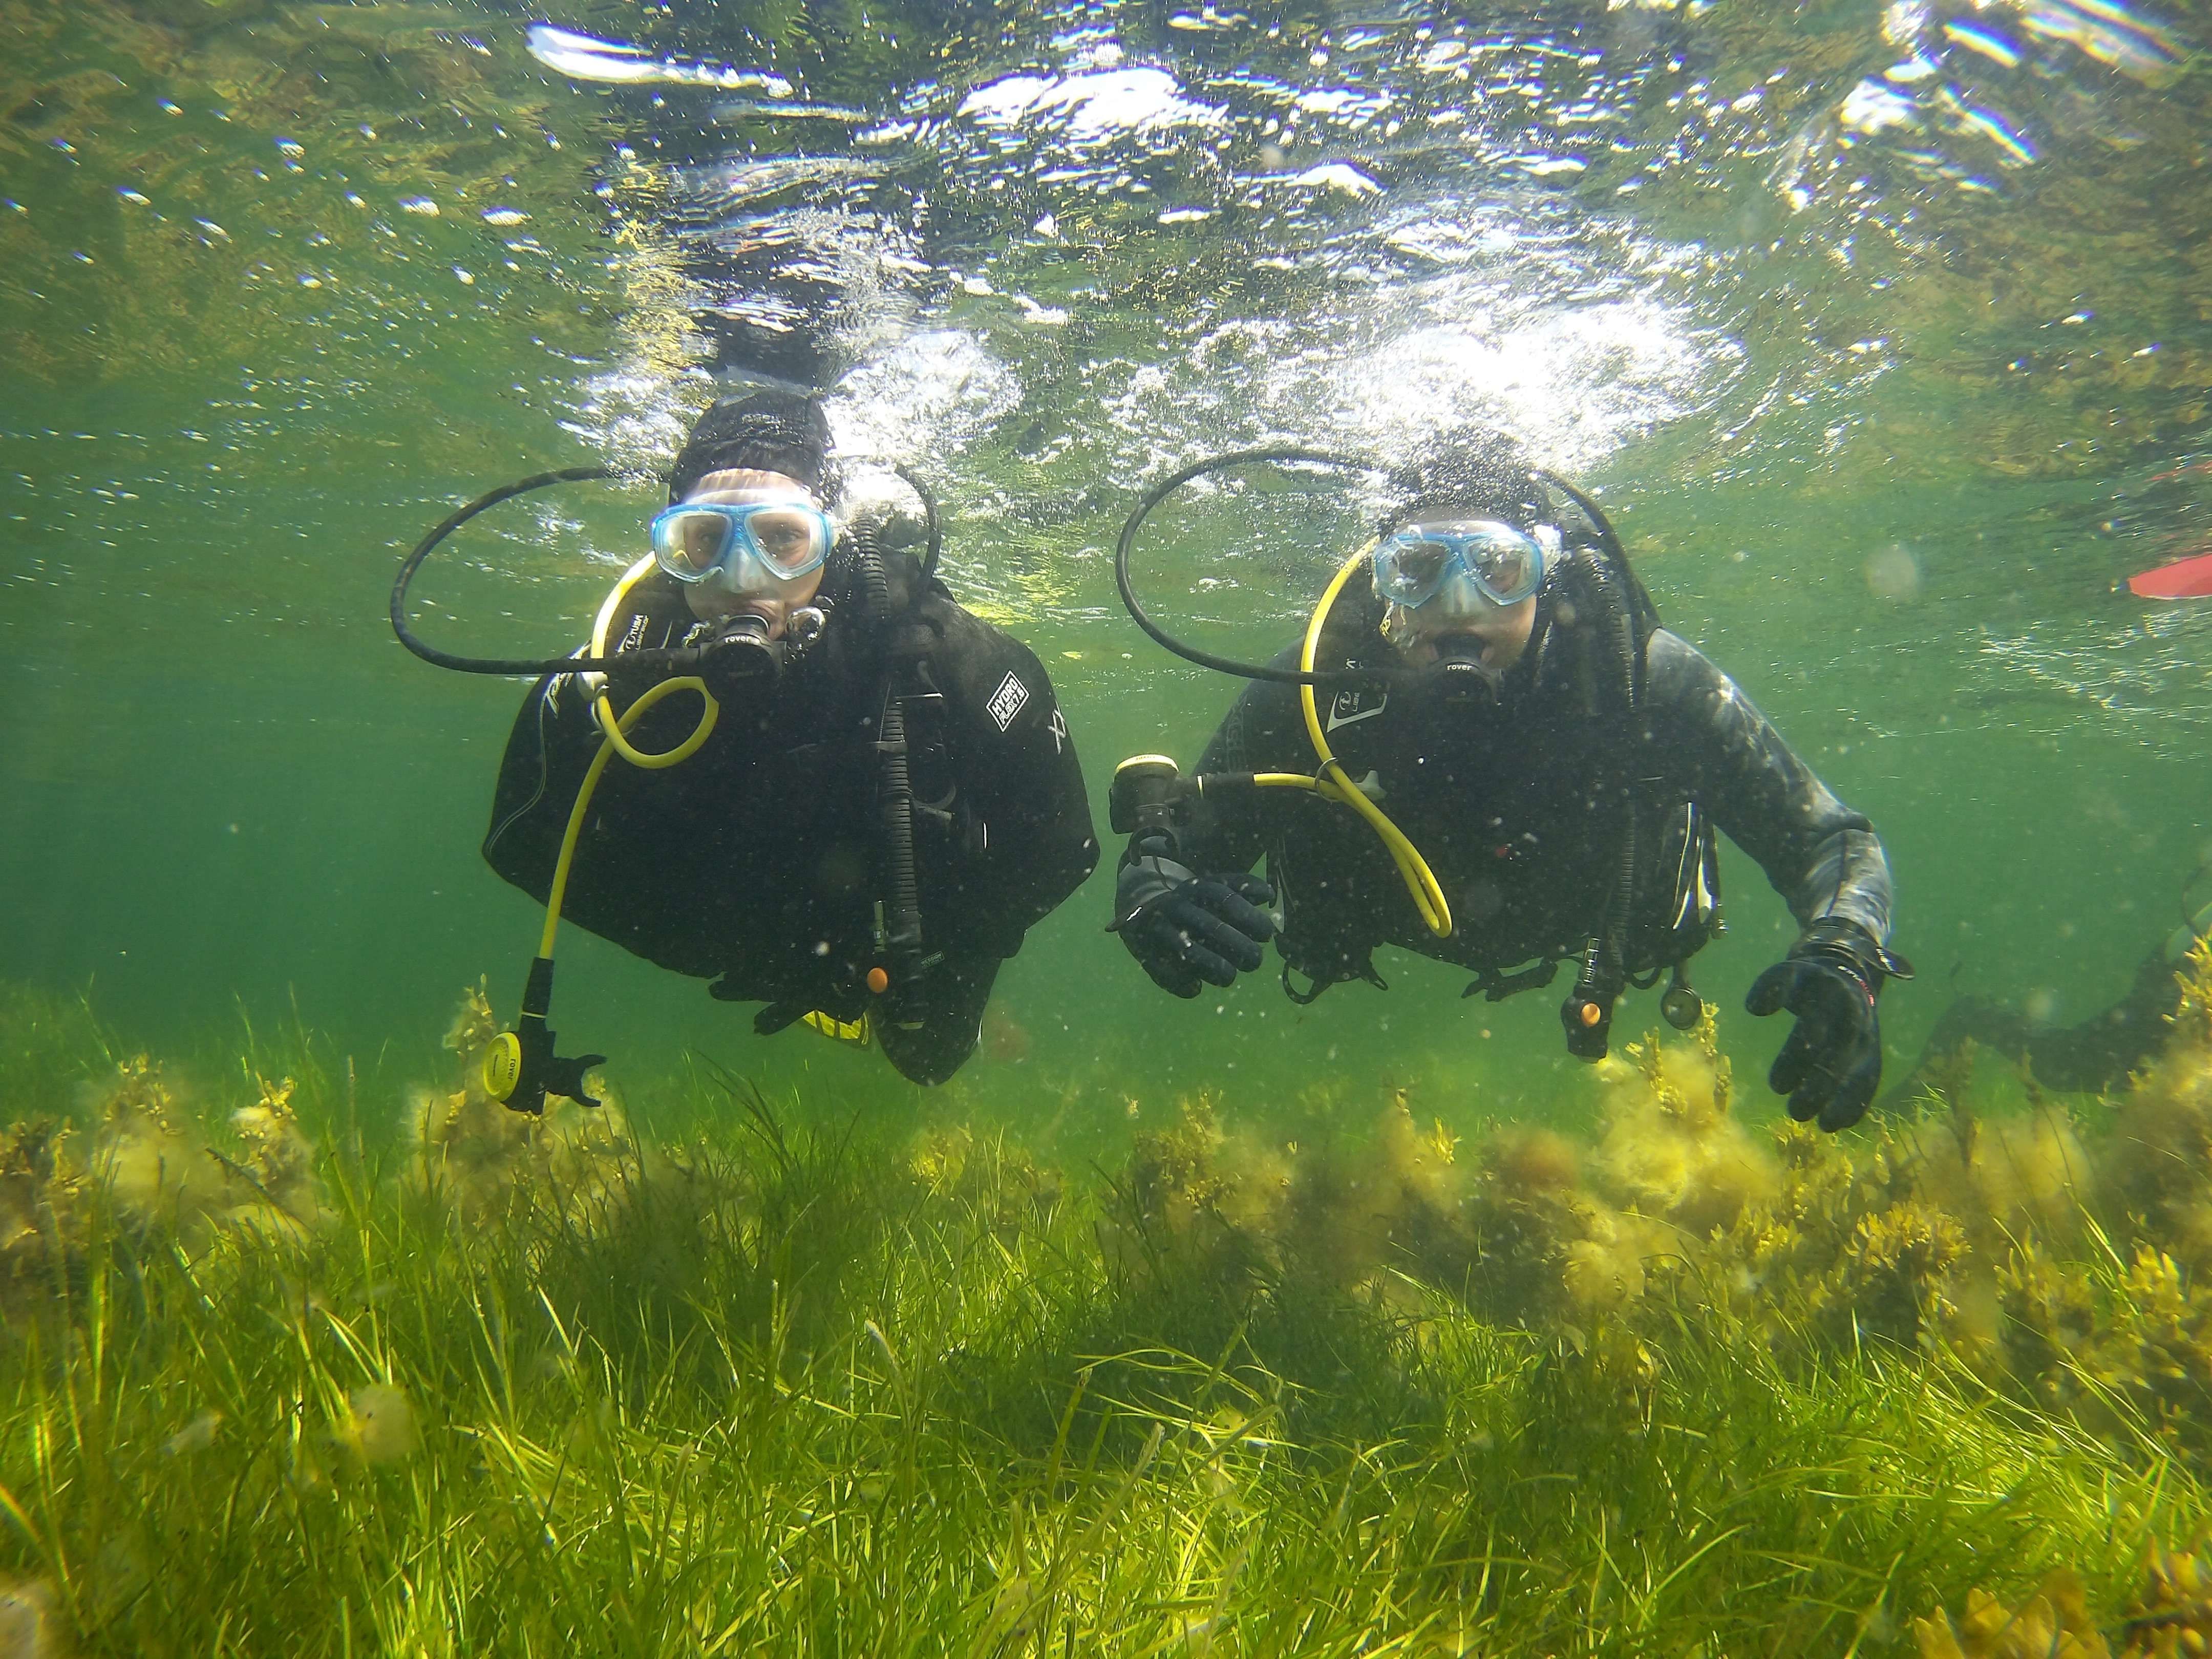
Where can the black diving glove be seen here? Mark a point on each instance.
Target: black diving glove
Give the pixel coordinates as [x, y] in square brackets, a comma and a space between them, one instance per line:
[1831, 1066]
[1186, 930]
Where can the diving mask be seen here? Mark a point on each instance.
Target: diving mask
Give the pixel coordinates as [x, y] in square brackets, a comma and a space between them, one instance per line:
[735, 545]
[1470, 562]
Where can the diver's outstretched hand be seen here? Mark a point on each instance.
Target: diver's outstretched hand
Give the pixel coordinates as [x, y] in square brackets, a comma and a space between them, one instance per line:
[1189, 931]
[1831, 1066]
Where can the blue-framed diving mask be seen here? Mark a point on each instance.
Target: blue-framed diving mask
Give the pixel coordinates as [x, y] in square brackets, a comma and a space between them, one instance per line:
[1471, 564]
[736, 546]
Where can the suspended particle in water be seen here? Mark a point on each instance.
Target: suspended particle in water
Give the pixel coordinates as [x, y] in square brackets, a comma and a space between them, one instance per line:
[195, 1436]
[1894, 573]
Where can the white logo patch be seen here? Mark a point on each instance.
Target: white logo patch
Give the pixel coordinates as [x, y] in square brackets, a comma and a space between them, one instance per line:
[1058, 726]
[1008, 700]
[1344, 710]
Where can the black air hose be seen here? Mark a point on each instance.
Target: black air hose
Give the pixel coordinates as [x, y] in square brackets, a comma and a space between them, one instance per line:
[1587, 1014]
[1623, 616]
[902, 901]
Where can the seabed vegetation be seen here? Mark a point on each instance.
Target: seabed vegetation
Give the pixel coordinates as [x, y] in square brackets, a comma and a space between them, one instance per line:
[272, 1382]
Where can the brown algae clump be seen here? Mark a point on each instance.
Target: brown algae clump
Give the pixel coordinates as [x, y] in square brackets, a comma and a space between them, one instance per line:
[151, 1158]
[41, 1196]
[1671, 1149]
[1235, 1208]
[2060, 1264]
[2172, 1619]
[2159, 1165]
[2053, 1624]
[484, 1159]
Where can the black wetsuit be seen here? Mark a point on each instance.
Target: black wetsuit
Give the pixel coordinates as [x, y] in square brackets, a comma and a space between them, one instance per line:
[757, 863]
[1518, 806]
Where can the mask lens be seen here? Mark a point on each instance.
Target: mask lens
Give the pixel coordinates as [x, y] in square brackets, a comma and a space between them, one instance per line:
[689, 544]
[790, 540]
[1506, 564]
[1410, 568]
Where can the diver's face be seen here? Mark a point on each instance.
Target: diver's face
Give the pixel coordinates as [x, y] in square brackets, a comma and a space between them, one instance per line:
[1460, 585]
[764, 593]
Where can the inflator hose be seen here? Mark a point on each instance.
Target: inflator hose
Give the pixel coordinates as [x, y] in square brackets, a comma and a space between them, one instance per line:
[903, 941]
[1332, 780]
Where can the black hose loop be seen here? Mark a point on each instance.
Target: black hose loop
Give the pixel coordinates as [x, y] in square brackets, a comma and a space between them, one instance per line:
[447, 526]
[1250, 670]
[936, 543]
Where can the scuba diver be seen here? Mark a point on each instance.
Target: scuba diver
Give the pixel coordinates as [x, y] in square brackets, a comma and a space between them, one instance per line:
[886, 801]
[1488, 688]
[2088, 1058]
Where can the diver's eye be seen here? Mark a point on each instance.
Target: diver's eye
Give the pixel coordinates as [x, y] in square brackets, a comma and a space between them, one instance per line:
[1507, 567]
[693, 541]
[1409, 570]
[786, 539]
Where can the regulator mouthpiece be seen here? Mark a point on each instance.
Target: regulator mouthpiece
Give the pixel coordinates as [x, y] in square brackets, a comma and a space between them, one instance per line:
[1459, 675]
[743, 651]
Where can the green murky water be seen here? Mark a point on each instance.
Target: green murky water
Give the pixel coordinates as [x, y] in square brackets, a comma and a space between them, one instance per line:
[1888, 354]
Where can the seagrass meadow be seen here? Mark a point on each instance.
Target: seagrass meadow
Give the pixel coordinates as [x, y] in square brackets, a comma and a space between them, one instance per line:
[292, 1364]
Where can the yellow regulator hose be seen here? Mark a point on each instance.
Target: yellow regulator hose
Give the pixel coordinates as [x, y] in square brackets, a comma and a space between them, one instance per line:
[617, 743]
[1333, 783]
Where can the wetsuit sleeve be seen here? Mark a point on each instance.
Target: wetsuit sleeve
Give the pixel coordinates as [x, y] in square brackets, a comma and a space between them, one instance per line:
[1027, 815]
[1823, 858]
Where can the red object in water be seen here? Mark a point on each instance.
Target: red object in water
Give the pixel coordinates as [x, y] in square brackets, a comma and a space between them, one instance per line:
[2191, 579]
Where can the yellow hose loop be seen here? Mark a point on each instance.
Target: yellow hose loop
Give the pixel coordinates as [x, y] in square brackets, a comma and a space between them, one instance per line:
[684, 750]
[598, 764]
[617, 744]
[636, 573]
[1427, 893]
[605, 709]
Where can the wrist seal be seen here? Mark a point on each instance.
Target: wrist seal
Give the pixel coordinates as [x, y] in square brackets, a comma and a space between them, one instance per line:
[1850, 948]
